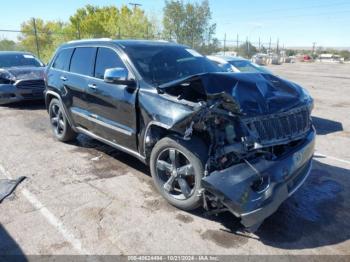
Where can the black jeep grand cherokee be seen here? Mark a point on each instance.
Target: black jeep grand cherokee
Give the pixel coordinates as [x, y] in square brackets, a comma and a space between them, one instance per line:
[238, 142]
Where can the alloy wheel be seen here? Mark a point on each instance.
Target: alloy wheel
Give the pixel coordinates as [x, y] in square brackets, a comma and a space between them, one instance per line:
[57, 120]
[175, 173]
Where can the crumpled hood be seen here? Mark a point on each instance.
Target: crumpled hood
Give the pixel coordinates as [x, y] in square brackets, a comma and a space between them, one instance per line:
[255, 93]
[26, 73]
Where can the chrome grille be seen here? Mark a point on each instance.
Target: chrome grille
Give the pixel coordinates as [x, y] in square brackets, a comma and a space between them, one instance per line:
[279, 127]
[31, 84]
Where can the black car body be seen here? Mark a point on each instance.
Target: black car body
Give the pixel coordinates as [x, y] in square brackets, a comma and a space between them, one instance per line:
[249, 136]
[21, 77]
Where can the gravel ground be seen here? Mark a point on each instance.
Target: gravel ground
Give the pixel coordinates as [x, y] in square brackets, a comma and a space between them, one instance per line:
[87, 198]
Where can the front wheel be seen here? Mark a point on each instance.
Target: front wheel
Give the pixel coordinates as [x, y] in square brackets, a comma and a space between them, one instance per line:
[177, 168]
[59, 123]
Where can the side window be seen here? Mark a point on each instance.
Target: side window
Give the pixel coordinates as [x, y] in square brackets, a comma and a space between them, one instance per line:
[62, 59]
[83, 61]
[106, 58]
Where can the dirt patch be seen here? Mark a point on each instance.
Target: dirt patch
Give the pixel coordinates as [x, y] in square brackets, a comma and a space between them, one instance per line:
[342, 104]
[58, 246]
[224, 238]
[184, 218]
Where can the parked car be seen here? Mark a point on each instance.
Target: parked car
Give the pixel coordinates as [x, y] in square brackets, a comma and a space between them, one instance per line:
[261, 59]
[239, 142]
[21, 77]
[237, 64]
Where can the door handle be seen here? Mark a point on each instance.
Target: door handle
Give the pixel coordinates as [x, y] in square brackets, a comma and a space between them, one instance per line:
[92, 86]
[63, 78]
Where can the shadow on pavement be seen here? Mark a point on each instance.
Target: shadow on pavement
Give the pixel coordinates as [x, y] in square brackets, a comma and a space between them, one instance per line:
[9, 249]
[325, 126]
[317, 215]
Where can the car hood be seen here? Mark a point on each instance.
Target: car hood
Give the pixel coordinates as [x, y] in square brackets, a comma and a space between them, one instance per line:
[253, 93]
[26, 73]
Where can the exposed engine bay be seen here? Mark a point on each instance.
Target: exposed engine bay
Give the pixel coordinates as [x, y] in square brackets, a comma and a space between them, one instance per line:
[248, 136]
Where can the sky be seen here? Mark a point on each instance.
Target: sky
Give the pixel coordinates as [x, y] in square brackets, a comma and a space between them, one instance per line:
[294, 23]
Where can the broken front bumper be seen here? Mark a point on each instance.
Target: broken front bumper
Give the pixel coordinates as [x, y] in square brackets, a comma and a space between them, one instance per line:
[10, 93]
[282, 177]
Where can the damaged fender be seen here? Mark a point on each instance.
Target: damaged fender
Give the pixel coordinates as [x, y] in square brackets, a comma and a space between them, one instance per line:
[280, 179]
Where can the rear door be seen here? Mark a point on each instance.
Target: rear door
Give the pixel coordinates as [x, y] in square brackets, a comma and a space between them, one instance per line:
[77, 81]
[112, 105]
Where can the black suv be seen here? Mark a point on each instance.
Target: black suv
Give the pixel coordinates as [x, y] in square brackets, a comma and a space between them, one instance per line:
[228, 142]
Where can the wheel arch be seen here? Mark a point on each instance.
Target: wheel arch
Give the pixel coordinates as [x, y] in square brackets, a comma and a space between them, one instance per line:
[49, 95]
[156, 131]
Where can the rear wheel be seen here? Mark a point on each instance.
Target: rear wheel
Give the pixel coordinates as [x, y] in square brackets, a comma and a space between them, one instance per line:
[59, 123]
[177, 168]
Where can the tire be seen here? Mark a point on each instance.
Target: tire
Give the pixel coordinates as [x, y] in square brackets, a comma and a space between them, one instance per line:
[191, 156]
[59, 123]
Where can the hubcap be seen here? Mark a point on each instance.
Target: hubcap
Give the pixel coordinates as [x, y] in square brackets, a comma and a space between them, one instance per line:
[176, 174]
[57, 120]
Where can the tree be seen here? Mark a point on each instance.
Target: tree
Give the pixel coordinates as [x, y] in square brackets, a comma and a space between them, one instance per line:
[88, 22]
[109, 21]
[49, 35]
[247, 50]
[8, 45]
[189, 24]
[345, 54]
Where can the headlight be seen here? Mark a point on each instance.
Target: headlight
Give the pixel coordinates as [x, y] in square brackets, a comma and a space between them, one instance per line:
[5, 75]
[308, 99]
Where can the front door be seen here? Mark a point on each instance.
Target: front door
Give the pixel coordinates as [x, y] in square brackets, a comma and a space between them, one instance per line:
[112, 106]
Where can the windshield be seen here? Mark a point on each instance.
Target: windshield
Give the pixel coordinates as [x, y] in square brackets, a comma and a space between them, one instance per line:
[18, 60]
[162, 64]
[248, 67]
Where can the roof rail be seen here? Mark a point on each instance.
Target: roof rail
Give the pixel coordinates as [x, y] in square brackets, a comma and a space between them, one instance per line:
[89, 40]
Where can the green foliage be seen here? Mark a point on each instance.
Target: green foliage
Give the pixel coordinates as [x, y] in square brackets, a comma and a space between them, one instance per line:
[88, 22]
[247, 50]
[8, 45]
[345, 54]
[49, 35]
[291, 52]
[109, 21]
[190, 24]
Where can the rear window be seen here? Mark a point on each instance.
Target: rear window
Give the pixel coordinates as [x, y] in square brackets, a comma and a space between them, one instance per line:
[62, 60]
[83, 61]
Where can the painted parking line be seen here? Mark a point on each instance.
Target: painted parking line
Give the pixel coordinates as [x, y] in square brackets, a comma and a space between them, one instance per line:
[49, 216]
[332, 158]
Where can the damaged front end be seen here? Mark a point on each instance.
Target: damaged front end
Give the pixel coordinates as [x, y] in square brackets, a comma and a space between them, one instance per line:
[260, 140]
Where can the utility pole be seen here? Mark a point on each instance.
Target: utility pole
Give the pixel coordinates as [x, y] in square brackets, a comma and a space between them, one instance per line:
[135, 5]
[36, 38]
[78, 27]
[277, 49]
[313, 47]
[270, 45]
[237, 43]
[225, 44]
[248, 49]
[259, 43]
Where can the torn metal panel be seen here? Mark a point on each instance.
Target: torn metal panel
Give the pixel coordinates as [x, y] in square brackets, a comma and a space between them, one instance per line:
[254, 196]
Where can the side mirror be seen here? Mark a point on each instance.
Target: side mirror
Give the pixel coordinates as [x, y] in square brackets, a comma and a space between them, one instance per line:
[117, 76]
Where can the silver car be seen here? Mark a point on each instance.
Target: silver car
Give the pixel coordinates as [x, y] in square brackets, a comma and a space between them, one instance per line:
[237, 64]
